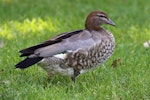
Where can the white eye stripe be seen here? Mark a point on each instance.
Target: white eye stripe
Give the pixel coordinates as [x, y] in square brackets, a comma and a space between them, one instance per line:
[104, 18]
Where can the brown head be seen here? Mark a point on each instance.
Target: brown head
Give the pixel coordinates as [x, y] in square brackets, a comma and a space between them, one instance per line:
[97, 18]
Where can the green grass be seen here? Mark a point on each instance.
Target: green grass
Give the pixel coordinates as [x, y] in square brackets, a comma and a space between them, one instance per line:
[25, 23]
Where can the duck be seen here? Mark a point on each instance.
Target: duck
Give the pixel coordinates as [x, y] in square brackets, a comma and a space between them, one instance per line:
[73, 53]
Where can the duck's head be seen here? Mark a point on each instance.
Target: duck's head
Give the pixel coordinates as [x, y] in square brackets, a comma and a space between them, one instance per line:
[97, 18]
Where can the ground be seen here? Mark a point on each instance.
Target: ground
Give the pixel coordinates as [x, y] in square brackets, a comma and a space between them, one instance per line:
[25, 23]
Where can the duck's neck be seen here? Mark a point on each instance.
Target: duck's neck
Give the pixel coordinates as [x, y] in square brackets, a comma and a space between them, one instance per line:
[94, 28]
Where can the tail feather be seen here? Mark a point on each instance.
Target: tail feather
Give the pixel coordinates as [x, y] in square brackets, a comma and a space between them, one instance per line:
[28, 62]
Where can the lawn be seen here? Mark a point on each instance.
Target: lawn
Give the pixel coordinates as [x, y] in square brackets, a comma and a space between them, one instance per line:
[25, 23]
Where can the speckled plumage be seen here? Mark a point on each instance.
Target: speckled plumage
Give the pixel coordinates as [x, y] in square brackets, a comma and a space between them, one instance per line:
[81, 60]
[73, 53]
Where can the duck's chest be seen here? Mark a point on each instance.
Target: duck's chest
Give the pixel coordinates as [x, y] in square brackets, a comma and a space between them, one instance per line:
[95, 56]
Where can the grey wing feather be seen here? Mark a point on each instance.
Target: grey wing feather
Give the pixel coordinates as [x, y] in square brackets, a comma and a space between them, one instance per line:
[83, 40]
[30, 50]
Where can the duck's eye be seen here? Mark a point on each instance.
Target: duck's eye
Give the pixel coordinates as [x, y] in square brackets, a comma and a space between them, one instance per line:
[101, 15]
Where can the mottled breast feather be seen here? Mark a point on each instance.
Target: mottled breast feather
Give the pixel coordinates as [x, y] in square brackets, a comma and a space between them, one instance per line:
[95, 56]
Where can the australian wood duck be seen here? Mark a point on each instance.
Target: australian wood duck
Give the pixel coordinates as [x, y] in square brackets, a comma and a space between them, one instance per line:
[73, 53]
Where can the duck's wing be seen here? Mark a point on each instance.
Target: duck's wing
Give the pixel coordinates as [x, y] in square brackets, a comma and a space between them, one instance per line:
[30, 50]
[81, 39]
[64, 42]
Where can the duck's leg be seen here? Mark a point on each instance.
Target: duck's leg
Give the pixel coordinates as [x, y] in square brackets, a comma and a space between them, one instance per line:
[76, 73]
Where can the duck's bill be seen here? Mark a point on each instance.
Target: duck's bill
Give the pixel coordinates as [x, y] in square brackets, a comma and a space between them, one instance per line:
[110, 22]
